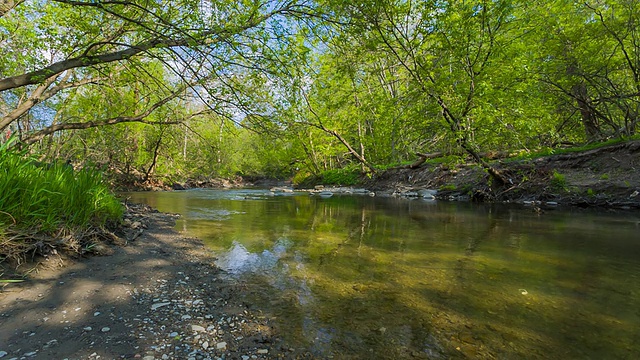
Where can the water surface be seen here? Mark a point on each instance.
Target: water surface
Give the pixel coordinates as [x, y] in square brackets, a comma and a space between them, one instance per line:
[361, 277]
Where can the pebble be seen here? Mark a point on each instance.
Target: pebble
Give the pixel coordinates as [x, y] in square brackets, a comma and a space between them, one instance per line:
[106, 329]
[221, 345]
[197, 328]
[159, 305]
[88, 328]
[205, 345]
[263, 351]
[3, 354]
[173, 334]
[245, 357]
[149, 357]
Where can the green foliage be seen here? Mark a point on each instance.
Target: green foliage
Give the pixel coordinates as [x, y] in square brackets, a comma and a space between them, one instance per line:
[604, 177]
[449, 160]
[575, 149]
[448, 187]
[286, 94]
[344, 177]
[558, 181]
[44, 198]
[302, 177]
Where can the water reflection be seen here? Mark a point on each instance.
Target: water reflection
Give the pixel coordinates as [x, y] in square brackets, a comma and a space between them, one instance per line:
[361, 277]
[238, 260]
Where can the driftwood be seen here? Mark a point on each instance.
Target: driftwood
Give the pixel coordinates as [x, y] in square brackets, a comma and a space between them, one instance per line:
[422, 158]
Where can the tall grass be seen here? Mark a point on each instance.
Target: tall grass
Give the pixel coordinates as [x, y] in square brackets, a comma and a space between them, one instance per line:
[48, 205]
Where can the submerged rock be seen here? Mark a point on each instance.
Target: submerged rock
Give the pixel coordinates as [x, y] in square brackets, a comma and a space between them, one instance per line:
[178, 186]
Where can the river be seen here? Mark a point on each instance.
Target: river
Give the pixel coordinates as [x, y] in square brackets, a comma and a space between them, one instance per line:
[365, 277]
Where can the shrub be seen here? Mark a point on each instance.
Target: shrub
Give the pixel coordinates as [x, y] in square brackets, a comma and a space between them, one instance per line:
[344, 177]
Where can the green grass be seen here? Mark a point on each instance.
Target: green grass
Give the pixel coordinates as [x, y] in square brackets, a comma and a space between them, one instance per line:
[559, 151]
[38, 202]
[448, 187]
[449, 160]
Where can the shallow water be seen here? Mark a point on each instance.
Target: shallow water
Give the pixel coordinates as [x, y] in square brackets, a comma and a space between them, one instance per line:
[361, 277]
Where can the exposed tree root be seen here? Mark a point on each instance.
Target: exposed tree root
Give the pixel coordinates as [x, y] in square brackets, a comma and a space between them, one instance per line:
[18, 245]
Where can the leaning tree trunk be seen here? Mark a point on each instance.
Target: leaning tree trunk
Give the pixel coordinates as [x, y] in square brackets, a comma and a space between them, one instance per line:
[156, 152]
[463, 141]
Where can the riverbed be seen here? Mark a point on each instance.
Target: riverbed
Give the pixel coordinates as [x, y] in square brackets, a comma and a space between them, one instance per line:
[369, 277]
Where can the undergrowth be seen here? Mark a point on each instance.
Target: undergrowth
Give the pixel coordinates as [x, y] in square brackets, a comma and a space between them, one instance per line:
[345, 177]
[44, 207]
[342, 177]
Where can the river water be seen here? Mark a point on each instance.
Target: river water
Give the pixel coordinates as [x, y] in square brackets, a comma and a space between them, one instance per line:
[362, 277]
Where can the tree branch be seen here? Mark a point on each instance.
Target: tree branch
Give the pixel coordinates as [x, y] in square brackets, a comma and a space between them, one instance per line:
[41, 94]
[140, 118]
[205, 37]
[7, 5]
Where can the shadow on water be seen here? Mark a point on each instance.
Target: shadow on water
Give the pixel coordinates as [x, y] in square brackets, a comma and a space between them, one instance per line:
[357, 277]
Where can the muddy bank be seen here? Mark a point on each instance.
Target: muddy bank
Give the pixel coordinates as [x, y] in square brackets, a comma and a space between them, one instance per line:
[605, 177]
[158, 297]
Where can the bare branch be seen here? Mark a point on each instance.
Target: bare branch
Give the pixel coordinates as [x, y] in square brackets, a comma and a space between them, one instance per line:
[7, 5]
[41, 94]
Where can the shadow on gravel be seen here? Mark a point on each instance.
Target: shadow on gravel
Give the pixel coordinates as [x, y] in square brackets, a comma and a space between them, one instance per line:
[160, 296]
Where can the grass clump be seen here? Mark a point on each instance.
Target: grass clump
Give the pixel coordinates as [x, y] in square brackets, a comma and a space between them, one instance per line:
[559, 181]
[45, 207]
[448, 187]
[576, 149]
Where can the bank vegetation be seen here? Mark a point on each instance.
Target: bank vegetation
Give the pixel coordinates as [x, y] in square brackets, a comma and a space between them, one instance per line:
[152, 93]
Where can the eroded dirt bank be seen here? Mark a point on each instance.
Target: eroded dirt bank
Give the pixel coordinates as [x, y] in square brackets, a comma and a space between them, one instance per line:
[604, 177]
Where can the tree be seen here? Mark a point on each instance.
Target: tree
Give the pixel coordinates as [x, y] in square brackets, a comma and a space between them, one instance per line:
[589, 55]
[447, 50]
[84, 38]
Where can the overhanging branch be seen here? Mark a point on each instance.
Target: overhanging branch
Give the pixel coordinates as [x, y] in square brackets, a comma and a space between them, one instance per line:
[140, 118]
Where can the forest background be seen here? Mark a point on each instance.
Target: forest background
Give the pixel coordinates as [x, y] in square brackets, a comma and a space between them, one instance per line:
[166, 91]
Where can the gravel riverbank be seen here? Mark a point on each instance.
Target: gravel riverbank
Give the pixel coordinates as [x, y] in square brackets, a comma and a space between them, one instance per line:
[159, 297]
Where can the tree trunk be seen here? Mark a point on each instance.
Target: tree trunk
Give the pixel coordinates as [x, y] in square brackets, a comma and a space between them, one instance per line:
[156, 151]
[588, 116]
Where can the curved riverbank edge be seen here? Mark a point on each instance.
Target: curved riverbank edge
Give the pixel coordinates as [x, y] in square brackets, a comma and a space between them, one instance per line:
[160, 296]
